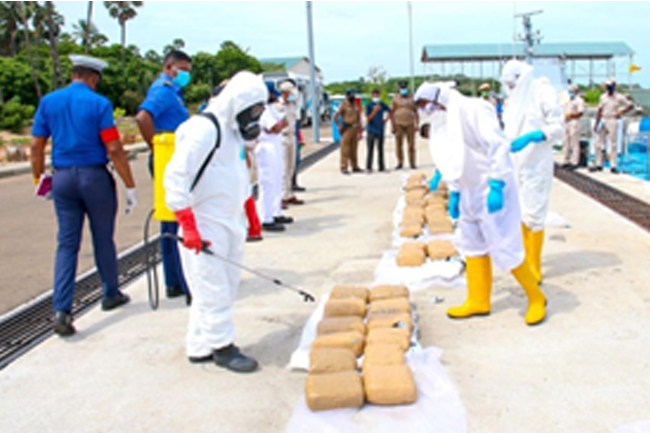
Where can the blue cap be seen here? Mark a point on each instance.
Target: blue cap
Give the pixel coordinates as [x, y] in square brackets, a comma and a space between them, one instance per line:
[270, 85]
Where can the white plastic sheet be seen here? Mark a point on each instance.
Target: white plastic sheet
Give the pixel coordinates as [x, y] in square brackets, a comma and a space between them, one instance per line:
[441, 273]
[640, 427]
[437, 410]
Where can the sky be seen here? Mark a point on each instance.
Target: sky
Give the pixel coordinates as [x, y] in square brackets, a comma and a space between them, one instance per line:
[351, 37]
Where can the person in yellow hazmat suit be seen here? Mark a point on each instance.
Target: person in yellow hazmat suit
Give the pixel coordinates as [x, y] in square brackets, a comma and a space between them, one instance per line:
[533, 120]
[471, 154]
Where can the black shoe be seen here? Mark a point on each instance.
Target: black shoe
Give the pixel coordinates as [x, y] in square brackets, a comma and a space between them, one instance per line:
[414, 167]
[231, 358]
[297, 188]
[273, 227]
[357, 170]
[109, 304]
[398, 167]
[345, 172]
[283, 219]
[188, 299]
[593, 169]
[254, 238]
[571, 167]
[614, 171]
[63, 324]
[175, 292]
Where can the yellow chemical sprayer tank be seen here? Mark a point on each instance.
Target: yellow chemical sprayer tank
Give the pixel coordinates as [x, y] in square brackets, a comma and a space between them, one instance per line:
[163, 149]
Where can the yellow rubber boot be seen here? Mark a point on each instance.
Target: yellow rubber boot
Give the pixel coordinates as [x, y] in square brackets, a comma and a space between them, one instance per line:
[536, 299]
[536, 241]
[479, 286]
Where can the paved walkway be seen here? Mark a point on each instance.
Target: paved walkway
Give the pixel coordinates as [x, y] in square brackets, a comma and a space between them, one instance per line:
[583, 370]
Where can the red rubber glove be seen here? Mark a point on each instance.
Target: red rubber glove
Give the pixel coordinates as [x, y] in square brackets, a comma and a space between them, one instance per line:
[191, 237]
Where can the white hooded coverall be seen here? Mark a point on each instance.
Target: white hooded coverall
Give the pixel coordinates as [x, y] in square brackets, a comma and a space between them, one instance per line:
[218, 206]
[270, 164]
[532, 105]
[469, 149]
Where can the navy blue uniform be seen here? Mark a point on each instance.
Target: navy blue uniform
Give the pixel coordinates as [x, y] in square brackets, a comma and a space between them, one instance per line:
[80, 122]
[165, 104]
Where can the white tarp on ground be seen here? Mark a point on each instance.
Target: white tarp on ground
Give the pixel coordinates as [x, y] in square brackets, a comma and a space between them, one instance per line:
[641, 427]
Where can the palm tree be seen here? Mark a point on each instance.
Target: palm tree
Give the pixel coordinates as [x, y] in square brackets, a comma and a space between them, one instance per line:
[88, 36]
[122, 12]
[23, 18]
[53, 30]
[89, 27]
[9, 25]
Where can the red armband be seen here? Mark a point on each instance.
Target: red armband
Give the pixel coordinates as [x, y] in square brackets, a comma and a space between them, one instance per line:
[109, 134]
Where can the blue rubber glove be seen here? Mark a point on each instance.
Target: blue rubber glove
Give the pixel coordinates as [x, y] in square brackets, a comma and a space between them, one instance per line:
[435, 181]
[495, 196]
[454, 205]
[532, 137]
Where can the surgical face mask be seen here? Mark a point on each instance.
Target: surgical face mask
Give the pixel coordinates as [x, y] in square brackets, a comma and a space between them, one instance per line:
[572, 95]
[485, 94]
[182, 78]
[291, 98]
[249, 122]
[404, 92]
[375, 100]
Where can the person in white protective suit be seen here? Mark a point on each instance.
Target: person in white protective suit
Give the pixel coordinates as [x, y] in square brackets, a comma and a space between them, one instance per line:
[471, 155]
[270, 164]
[533, 120]
[212, 212]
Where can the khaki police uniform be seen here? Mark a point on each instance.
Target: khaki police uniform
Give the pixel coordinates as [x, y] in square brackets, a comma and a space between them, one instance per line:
[572, 131]
[289, 111]
[610, 106]
[404, 111]
[349, 117]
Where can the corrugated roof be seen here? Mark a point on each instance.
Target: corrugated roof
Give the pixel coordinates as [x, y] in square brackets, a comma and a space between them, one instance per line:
[571, 50]
[288, 62]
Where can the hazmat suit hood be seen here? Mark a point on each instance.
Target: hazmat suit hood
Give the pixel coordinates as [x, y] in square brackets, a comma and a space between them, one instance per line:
[521, 75]
[445, 134]
[243, 91]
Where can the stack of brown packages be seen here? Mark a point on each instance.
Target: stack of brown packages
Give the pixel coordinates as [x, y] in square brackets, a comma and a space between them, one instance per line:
[387, 379]
[424, 207]
[333, 381]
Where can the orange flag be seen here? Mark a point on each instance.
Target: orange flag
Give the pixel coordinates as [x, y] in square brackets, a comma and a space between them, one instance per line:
[634, 68]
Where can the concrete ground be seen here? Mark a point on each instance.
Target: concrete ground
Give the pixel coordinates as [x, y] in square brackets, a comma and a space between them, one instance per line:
[584, 370]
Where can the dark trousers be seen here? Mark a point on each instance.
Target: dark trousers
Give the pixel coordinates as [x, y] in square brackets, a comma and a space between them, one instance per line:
[77, 192]
[378, 139]
[171, 259]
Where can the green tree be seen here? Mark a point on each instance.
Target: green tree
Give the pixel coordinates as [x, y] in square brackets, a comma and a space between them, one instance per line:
[23, 17]
[177, 44]
[53, 30]
[88, 35]
[9, 27]
[123, 12]
[231, 59]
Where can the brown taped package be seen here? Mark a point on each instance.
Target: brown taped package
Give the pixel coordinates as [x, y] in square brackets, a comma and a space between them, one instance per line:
[413, 210]
[345, 307]
[411, 231]
[334, 391]
[331, 360]
[440, 227]
[393, 320]
[398, 336]
[418, 176]
[388, 292]
[435, 199]
[412, 220]
[431, 214]
[410, 257]
[389, 384]
[415, 198]
[342, 292]
[353, 340]
[390, 306]
[332, 325]
[414, 186]
[414, 245]
[383, 354]
[441, 249]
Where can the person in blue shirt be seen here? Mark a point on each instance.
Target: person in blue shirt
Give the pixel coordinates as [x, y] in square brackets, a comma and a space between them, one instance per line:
[84, 139]
[162, 111]
[376, 119]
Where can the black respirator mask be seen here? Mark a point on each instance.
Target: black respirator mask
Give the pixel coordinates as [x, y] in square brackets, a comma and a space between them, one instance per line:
[249, 122]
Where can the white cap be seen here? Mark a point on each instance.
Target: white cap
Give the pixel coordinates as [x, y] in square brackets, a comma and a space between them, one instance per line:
[88, 62]
[287, 86]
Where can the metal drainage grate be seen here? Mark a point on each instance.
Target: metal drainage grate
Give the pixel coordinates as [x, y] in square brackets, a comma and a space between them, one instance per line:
[26, 327]
[624, 204]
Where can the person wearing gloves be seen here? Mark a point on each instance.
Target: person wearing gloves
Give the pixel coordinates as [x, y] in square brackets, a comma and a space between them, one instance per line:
[210, 211]
[270, 164]
[611, 107]
[533, 120]
[472, 156]
[82, 145]
[573, 112]
[286, 104]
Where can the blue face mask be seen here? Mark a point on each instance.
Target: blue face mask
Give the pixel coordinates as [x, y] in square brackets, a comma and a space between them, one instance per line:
[572, 95]
[404, 92]
[375, 100]
[291, 98]
[182, 79]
